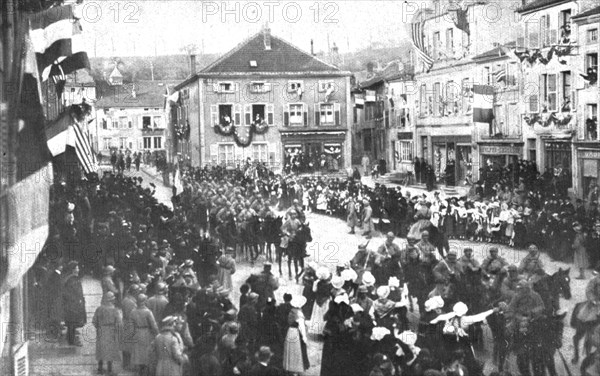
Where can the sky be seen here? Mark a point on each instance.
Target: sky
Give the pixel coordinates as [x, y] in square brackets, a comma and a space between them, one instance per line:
[146, 28]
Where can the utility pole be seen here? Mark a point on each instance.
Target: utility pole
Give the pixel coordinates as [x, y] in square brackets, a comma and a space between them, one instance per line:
[152, 70]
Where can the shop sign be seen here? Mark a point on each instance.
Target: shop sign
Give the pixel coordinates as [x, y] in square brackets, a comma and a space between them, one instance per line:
[405, 136]
[589, 154]
[500, 149]
[370, 96]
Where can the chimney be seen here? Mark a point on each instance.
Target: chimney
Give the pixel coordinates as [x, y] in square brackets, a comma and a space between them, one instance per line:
[312, 47]
[192, 65]
[133, 94]
[370, 67]
[267, 38]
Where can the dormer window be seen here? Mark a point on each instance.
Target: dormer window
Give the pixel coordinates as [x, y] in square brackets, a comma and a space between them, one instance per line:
[253, 64]
[259, 87]
[225, 86]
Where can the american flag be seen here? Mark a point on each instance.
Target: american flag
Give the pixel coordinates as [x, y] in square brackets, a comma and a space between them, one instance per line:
[500, 74]
[417, 39]
[83, 149]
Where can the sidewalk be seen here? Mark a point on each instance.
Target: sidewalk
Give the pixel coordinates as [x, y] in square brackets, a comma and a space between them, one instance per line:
[49, 356]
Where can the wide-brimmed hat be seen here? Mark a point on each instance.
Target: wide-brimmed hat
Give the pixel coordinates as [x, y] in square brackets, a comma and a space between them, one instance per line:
[434, 303]
[393, 282]
[368, 279]
[408, 337]
[349, 275]
[298, 301]
[337, 282]
[460, 309]
[323, 273]
[383, 292]
[342, 297]
[379, 332]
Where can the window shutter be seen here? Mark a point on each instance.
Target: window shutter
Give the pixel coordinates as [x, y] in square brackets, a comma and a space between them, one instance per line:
[317, 114]
[306, 118]
[214, 152]
[238, 114]
[286, 118]
[130, 124]
[533, 103]
[214, 114]
[236, 88]
[336, 107]
[270, 114]
[248, 113]
[104, 124]
[215, 87]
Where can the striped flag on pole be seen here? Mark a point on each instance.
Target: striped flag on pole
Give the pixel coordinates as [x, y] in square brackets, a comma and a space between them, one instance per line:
[483, 104]
[81, 142]
[417, 39]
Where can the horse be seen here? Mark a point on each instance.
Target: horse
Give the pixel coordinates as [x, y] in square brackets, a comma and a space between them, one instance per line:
[228, 233]
[551, 287]
[582, 328]
[296, 250]
[271, 233]
[534, 342]
[249, 235]
[593, 359]
[436, 237]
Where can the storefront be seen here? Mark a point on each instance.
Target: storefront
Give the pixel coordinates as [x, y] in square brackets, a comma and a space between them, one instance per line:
[558, 157]
[403, 151]
[452, 159]
[314, 151]
[499, 154]
[589, 168]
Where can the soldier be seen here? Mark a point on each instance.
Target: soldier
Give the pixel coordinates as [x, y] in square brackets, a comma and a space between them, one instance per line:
[426, 249]
[145, 329]
[445, 269]
[73, 302]
[158, 302]
[128, 304]
[363, 261]
[468, 261]
[168, 349]
[524, 306]
[108, 322]
[531, 263]
[493, 264]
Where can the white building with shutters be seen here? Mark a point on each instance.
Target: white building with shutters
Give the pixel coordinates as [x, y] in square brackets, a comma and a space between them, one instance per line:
[266, 100]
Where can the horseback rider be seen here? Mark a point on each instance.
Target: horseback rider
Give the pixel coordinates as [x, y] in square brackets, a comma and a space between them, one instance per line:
[524, 307]
[298, 209]
[425, 247]
[245, 215]
[532, 262]
[591, 310]
[493, 264]
[289, 228]
[363, 261]
[509, 285]
[444, 270]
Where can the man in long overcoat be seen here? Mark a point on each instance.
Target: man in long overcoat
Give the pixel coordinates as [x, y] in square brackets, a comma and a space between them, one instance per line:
[145, 330]
[168, 350]
[108, 321]
[73, 302]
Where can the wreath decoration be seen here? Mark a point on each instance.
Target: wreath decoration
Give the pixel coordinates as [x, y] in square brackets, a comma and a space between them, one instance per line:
[532, 119]
[229, 129]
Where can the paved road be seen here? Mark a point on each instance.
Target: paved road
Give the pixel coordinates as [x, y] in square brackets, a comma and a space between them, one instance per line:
[331, 245]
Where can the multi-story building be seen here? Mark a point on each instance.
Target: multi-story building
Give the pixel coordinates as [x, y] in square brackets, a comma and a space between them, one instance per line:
[501, 142]
[444, 128]
[587, 146]
[267, 100]
[131, 117]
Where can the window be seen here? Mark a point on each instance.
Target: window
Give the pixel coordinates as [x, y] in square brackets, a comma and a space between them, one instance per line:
[532, 32]
[511, 74]
[564, 27]
[122, 142]
[548, 86]
[296, 114]
[436, 44]
[405, 150]
[513, 120]
[158, 122]
[533, 103]
[592, 36]
[355, 115]
[115, 123]
[487, 75]
[558, 159]
[591, 121]
[532, 150]
[260, 152]
[224, 115]
[123, 122]
[449, 41]
[258, 114]
[565, 80]
[547, 36]
[146, 122]
[226, 154]
[225, 87]
[147, 142]
[257, 87]
[295, 86]
[326, 114]
[591, 61]
[106, 143]
[158, 142]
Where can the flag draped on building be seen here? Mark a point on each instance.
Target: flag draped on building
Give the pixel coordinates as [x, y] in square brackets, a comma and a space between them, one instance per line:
[500, 74]
[58, 43]
[26, 204]
[67, 130]
[417, 39]
[483, 104]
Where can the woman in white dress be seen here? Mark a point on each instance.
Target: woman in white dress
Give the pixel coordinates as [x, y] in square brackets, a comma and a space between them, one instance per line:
[295, 355]
[322, 289]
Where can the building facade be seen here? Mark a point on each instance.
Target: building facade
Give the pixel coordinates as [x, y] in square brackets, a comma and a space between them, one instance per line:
[132, 117]
[445, 134]
[268, 101]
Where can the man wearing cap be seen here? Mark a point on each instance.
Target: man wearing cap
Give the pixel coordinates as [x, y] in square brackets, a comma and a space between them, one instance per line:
[158, 302]
[107, 281]
[445, 269]
[298, 209]
[532, 262]
[108, 322]
[388, 248]
[128, 304]
[168, 349]
[363, 260]
[493, 264]
[145, 329]
[73, 302]
[524, 306]
[289, 228]
[263, 368]
[468, 261]
[426, 249]
[509, 285]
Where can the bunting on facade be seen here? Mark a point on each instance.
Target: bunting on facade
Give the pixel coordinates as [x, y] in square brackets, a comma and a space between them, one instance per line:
[417, 39]
[483, 104]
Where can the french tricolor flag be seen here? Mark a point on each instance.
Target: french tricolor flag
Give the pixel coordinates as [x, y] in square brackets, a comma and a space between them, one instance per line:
[483, 104]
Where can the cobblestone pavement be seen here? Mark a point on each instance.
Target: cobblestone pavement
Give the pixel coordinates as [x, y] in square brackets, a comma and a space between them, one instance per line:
[331, 244]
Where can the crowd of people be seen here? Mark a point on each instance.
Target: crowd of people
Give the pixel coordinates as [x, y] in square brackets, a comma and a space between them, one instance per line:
[166, 275]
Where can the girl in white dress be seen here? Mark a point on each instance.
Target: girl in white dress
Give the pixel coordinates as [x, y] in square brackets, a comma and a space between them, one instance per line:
[295, 354]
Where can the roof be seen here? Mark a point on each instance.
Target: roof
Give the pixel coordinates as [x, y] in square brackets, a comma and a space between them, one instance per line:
[283, 57]
[495, 52]
[587, 13]
[115, 73]
[148, 94]
[540, 4]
